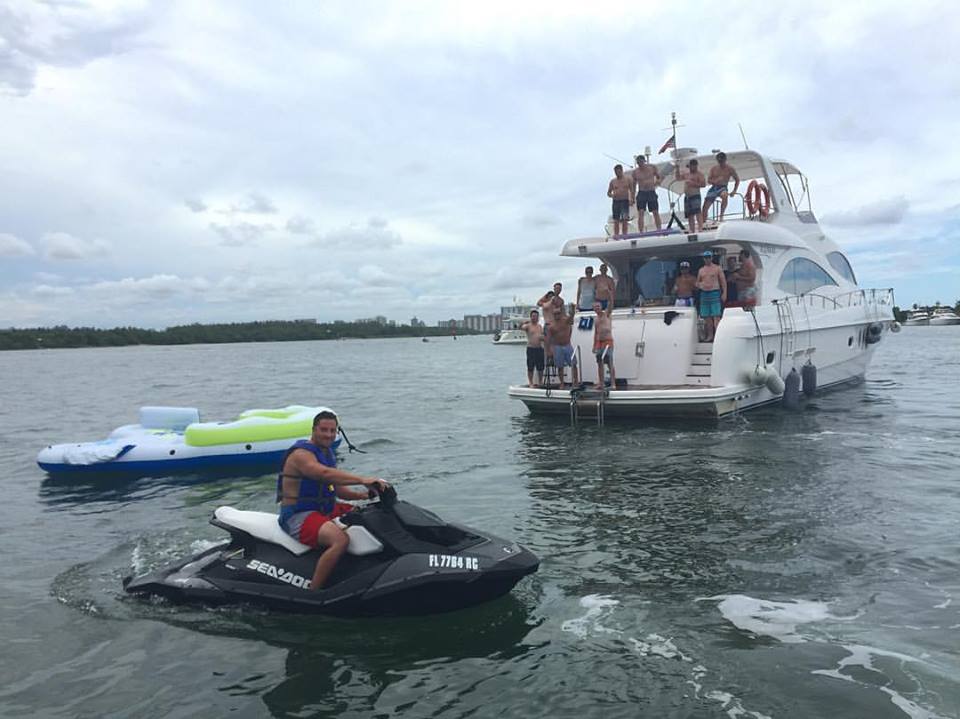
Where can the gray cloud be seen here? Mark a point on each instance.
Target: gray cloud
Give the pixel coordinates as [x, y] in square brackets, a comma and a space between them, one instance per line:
[300, 225]
[376, 234]
[13, 246]
[890, 211]
[240, 234]
[195, 205]
[255, 203]
[540, 219]
[64, 246]
[39, 34]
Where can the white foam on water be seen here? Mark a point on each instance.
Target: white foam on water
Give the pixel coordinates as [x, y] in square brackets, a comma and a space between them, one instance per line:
[598, 606]
[764, 617]
[202, 545]
[863, 656]
[136, 559]
[659, 646]
[733, 706]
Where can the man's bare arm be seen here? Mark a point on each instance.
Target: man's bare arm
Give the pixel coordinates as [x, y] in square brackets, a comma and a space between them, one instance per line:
[308, 466]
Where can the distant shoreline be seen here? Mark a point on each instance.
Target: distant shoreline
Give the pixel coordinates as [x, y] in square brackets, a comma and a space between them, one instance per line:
[62, 337]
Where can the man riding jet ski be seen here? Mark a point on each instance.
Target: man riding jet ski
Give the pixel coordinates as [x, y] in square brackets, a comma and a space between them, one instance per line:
[400, 559]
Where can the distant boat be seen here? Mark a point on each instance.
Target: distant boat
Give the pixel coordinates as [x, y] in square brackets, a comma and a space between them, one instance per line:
[944, 316]
[917, 317]
[424, 339]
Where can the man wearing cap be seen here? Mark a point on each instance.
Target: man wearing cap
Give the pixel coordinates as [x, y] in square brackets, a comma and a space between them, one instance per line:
[693, 180]
[647, 178]
[713, 293]
[684, 286]
[719, 178]
[620, 190]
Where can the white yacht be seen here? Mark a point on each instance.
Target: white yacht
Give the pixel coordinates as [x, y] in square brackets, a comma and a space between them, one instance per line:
[917, 317]
[944, 316]
[510, 337]
[809, 308]
[511, 334]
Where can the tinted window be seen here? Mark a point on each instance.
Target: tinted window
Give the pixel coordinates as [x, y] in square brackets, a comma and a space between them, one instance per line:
[802, 275]
[840, 264]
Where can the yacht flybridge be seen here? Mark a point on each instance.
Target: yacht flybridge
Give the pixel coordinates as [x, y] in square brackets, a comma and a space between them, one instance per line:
[809, 310]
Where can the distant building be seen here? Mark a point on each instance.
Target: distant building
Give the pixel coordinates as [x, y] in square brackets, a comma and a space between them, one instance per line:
[515, 311]
[417, 323]
[482, 323]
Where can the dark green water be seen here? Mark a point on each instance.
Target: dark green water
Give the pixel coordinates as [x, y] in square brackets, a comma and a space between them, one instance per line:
[781, 565]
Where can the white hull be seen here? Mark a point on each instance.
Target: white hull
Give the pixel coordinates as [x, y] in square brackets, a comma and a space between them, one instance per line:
[678, 376]
[916, 323]
[511, 337]
[942, 321]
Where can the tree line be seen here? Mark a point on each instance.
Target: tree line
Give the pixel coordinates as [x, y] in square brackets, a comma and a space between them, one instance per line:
[270, 331]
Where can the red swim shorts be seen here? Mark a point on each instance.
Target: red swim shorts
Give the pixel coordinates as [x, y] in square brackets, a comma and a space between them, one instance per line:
[313, 521]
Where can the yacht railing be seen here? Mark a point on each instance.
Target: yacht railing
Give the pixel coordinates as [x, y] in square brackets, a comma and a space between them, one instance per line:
[854, 298]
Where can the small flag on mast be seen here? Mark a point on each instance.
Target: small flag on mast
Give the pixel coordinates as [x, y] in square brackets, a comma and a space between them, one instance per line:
[672, 142]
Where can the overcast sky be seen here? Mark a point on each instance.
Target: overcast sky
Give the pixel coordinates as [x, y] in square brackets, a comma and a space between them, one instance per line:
[195, 161]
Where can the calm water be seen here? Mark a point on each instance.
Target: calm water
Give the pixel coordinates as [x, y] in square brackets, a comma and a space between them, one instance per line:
[781, 565]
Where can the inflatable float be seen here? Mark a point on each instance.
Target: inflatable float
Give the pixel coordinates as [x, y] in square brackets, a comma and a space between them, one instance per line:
[173, 440]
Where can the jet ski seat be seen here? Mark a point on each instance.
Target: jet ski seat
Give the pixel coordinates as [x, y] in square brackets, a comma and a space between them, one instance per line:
[264, 526]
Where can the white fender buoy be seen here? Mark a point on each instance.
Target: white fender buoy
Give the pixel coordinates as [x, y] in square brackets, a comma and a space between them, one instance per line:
[774, 383]
[757, 376]
[895, 326]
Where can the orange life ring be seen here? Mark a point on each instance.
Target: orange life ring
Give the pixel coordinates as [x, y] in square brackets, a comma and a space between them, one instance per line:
[758, 199]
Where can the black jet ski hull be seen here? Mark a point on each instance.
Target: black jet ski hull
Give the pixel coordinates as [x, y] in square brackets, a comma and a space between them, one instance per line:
[249, 571]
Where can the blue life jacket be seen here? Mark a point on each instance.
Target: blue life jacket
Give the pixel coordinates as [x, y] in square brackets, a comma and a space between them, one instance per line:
[314, 496]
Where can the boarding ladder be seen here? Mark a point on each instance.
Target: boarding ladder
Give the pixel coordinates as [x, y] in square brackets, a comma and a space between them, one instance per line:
[787, 331]
[595, 397]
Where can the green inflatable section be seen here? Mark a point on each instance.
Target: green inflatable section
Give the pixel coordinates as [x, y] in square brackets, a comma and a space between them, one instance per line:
[255, 425]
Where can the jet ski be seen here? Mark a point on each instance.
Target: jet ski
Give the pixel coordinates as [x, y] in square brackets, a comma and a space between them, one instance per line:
[401, 560]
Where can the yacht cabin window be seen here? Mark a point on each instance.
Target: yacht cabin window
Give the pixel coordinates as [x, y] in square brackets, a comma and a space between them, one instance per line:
[802, 275]
[841, 265]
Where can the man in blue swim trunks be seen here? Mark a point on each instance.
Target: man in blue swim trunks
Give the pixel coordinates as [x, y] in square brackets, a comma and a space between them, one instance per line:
[719, 177]
[713, 293]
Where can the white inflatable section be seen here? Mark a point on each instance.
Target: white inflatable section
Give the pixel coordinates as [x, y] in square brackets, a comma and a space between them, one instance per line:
[264, 525]
[175, 418]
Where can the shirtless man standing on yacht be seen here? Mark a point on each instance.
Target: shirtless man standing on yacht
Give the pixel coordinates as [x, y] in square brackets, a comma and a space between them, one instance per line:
[719, 178]
[535, 363]
[684, 286]
[563, 354]
[746, 279]
[647, 178]
[606, 287]
[620, 190]
[713, 293]
[693, 180]
[603, 343]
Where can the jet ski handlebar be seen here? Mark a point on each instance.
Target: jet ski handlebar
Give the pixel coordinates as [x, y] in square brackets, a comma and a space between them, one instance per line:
[388, 496]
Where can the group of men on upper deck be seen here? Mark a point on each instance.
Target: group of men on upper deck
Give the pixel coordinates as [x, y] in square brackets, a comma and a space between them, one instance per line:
[640, 185]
